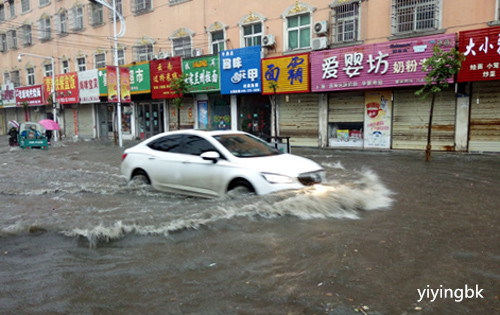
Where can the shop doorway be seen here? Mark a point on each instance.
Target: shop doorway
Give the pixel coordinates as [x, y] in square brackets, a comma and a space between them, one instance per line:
[150, 119]
[254, 115]
[105, 114]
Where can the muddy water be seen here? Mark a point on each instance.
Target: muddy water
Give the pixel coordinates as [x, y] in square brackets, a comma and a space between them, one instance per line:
[75, 238]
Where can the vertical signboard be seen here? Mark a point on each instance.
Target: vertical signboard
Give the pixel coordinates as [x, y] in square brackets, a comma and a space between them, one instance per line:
[240, 70]
[377, 128]
[481, 49]
[162, 73]
[289, 74]
[8, 95]
[89, 86]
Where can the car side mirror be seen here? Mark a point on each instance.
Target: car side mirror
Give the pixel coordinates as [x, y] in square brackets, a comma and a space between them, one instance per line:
[210, 156]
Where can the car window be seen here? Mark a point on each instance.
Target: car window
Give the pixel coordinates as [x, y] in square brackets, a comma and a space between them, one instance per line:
[195, 145]
[242, 145]
[170, 144]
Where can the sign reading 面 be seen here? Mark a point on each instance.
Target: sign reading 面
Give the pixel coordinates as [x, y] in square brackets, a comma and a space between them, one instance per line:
[481, 49]
[162, 73]
[240, 70]
[389, 64]
[32, 95]
[290, 74]
[202, 73]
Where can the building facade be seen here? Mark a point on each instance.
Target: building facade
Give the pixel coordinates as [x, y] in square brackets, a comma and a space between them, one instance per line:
[340, 74]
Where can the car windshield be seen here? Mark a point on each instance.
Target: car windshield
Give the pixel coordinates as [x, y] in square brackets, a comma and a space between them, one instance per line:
[243, 145]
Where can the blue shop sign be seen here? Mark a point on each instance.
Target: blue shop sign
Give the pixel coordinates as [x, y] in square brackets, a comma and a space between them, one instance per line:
[240, 70]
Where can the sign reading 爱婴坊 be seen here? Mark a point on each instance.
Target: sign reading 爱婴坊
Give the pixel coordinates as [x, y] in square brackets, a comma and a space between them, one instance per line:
[240, 70]
[389, 64]
[481, 49]
[288, 74]
[202, 73]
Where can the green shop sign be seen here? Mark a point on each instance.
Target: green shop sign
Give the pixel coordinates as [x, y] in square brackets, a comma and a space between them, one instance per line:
[140, 82]
[202, 73]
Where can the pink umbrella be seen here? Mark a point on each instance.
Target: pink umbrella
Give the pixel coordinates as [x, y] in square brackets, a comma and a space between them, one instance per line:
[49, 124]
[14, 124]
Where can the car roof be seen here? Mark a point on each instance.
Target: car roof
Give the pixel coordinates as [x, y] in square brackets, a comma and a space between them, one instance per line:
[198, 132]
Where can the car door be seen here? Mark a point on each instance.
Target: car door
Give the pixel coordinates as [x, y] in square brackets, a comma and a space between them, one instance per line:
[200, 176]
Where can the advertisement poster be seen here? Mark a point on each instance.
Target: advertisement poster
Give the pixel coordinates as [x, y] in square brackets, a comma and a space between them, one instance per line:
[202, 114]
[89, 86]
[240, 70]
[378, 109]
[396, 63]
[32, 95]
[202, 73]
[8, 96]
[481, 49]
[125, 85]
[112, 83]
[162, 73]
[66, 88]
[290, 74]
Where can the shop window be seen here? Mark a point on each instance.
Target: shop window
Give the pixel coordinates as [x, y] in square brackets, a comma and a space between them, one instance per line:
[30, 76]
[345, 134]
[345, 25]
[415, 15]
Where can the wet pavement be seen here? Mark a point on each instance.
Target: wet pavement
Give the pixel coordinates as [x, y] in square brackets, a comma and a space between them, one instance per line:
[392, 234]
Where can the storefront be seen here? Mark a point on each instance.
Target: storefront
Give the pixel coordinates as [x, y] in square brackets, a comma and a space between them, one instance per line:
[371, 101]
[481, 68]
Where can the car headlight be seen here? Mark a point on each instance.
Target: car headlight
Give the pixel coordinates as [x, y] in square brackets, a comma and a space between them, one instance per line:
[278, 179]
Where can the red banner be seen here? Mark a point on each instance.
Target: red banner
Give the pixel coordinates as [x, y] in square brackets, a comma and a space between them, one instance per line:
[112, 82]
[162, 73]
[481, 49]
[32, 95]
[125, 85]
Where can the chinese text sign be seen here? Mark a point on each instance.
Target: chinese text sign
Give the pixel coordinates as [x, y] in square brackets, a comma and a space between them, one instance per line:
[162, 73]
[240, 70]
[289, 74]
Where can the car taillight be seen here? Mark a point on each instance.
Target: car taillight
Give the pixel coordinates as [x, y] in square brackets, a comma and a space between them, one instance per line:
[124, 156]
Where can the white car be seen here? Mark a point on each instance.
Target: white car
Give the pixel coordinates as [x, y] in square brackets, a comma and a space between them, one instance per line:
[213, 163]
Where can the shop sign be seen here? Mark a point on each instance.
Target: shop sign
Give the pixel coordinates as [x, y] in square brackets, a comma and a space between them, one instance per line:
[390, 64]
[162, 73]
[139, 79]
[8, 96]
[203, 73]
[290, 74]
[240, 70]
[89, 86]
[66, 88]
[377, 119]
[32, 95]
[481, 49]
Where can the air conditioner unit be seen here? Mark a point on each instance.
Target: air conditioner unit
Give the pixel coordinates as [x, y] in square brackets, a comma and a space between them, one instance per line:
[320, 27]
[197, 52]
[320, 43]
[268, 40]
[163, 55]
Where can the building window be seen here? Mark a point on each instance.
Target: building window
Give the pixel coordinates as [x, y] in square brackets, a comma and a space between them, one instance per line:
[299, 31]
[345, 25]
[217, 41]
[100, 60]
[182, 46]
[26, 35]
[6, 77]
[415, 15]
[76, 18]
[81, 64]
[25, 6]
[3, 42]
[15, 78]
[121, 56]
[44, 3]
[141, 6]
[2, 13]
[65, 66]
[47, 69]
[12, 39]
[118, 7]
[30, 76]
[96, 14]
[44, 28]
[143, 52]
[252, 34]
[12, 8]
[61, 22]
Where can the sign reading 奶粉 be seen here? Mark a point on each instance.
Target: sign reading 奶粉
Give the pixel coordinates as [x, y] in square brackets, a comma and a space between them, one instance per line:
[381, 65]
[240, 70]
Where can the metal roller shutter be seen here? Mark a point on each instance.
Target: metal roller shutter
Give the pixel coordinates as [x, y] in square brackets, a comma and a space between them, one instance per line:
[346, 107]
[411, 118]
[299, 120]
[485, 117]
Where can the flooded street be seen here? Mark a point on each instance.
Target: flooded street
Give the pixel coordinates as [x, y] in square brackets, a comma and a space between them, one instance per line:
[388, 234]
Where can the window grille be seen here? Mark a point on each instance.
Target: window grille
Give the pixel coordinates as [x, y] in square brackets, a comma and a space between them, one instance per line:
[118, 7]
[100, 60]
[25, 6]
[182, 46]
[26, 35]
[12, 8]
[61, 23]
[141, 6]
[346, 22]
[15, 78]
[2, 12]
[143, 52]
[44, 3]
[12, 39]
[3, 42]
[415, 15]
[76, 18]
[44, 29]
[96, 14]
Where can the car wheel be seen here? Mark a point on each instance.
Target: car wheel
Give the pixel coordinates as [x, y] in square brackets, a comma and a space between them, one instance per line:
[240, 188]
[140, 177]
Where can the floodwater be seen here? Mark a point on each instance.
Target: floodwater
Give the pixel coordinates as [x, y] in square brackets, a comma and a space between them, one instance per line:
[388, 234]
